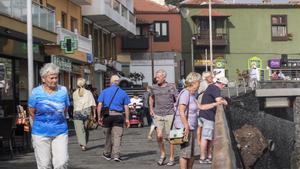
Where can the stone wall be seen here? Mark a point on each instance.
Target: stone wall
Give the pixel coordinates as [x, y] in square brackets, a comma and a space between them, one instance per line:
[245, 110]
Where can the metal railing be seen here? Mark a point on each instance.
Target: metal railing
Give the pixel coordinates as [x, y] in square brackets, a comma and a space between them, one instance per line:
[41, 16]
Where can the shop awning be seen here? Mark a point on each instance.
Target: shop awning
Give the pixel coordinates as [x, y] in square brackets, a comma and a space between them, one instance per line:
[76, 56]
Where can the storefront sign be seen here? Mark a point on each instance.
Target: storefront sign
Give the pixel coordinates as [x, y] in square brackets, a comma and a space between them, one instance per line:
[90, 58]
[220, 63]
[69, 44]
[62, 63]
[274, 63]
[255, 60]
[100, 67]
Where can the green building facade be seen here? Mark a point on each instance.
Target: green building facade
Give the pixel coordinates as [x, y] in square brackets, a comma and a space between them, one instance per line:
[242, 34]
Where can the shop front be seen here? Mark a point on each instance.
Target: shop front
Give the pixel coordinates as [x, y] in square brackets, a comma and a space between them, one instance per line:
[14, 73]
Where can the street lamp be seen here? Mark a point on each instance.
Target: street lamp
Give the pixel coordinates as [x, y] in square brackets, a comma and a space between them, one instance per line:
[151, 34]
[210, 36]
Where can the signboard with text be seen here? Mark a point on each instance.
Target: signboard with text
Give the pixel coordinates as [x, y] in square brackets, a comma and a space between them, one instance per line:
[63, 63]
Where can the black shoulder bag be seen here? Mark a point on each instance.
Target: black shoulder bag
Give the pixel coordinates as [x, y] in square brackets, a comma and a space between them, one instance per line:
[105, 110]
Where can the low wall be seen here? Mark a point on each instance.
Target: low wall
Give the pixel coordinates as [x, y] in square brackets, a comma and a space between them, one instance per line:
[244, 110]
[223, 153]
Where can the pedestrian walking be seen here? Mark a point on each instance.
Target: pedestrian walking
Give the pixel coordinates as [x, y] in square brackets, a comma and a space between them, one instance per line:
[113, 102]
[48, 106]
[84, 109]
[146, 105]
[212, 94]
[165, 95]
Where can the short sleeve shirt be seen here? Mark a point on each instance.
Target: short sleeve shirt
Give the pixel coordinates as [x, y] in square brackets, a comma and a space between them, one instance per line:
[189, 100]
[117, 103]
[164, 99]
[49, 118]
[211, 93]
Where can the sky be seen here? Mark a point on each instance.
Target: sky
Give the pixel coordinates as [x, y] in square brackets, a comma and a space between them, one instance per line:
[259, 1]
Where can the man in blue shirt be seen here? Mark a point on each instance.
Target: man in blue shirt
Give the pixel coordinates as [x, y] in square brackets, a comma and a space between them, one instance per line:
[48, 105]
[116, 101]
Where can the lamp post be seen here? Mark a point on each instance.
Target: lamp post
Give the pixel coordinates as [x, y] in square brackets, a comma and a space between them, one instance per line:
[210, 36]
[192, 53]
[151, 33]
[29, 47]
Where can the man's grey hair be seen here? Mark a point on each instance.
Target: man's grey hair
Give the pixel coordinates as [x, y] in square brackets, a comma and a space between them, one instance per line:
[49, 68]
[163, 72]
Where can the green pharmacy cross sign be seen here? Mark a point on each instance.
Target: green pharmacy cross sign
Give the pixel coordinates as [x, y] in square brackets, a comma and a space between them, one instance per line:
[69, 44]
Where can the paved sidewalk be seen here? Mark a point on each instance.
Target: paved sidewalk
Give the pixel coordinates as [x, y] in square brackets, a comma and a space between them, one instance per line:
[137, 153]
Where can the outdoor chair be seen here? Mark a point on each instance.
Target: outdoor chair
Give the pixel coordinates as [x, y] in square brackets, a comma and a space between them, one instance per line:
[7, 125]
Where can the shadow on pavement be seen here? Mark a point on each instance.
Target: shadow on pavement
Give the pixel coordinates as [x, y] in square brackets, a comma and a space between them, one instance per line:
[93, 147]
[136, 155]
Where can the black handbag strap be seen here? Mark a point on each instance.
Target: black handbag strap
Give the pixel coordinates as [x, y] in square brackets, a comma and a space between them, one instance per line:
[187, 109]
[113, 98]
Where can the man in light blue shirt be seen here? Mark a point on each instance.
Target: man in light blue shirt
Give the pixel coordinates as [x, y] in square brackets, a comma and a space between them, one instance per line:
[115, 101]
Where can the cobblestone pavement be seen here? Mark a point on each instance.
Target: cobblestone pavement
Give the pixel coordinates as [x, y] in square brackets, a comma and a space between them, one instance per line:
[137, 152]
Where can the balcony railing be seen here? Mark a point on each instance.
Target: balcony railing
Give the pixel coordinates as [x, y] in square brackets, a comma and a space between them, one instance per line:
[41, 16]
[135, 43]
[84, 44]
[218, 39]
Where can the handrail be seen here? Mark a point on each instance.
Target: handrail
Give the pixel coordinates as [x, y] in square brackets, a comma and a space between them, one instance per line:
[224, 157]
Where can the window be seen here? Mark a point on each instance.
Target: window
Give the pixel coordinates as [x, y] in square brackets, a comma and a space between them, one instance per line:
[63, 20]
[162, 31]
[138, 30]
[96, 43]
[86, 29]
[124, 12]
[74, 24]
[279, 27]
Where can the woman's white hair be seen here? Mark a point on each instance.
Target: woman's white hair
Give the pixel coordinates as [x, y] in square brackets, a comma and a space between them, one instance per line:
[49, 68]
[161, 71]
[192, 78]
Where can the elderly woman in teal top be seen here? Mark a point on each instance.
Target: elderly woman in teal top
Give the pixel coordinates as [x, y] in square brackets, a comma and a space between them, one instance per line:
[48, 106]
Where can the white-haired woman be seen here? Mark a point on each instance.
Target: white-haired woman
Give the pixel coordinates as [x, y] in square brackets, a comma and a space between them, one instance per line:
[186, 117]
[48, 105]
[84, 108]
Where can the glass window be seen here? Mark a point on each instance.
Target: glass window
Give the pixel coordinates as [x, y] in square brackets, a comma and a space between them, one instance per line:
[63, 20]
[86, 29]
[279, 27]
[124, 12]
[116, 6]
[138, 30]
[95, 42]
[7, 102]
[161, 29]
[74, 24]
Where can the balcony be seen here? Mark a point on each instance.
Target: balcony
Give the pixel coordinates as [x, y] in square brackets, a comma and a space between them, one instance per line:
[218, 39]
[84, 44]
[112, 15]
[82, 2]
[42, 17]
[135, 43]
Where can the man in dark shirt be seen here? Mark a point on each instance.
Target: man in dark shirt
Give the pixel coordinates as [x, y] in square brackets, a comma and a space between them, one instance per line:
[207, 117]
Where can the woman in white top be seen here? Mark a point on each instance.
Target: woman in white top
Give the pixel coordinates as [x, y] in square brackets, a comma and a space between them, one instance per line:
[84, 108]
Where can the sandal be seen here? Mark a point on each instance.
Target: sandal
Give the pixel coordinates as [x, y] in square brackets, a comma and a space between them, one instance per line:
[171, 163]
[203, 161]
[208, 160]
[83, 148]
[161, 160]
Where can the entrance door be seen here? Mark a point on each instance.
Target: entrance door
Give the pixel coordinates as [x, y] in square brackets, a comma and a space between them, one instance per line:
[7, 101]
